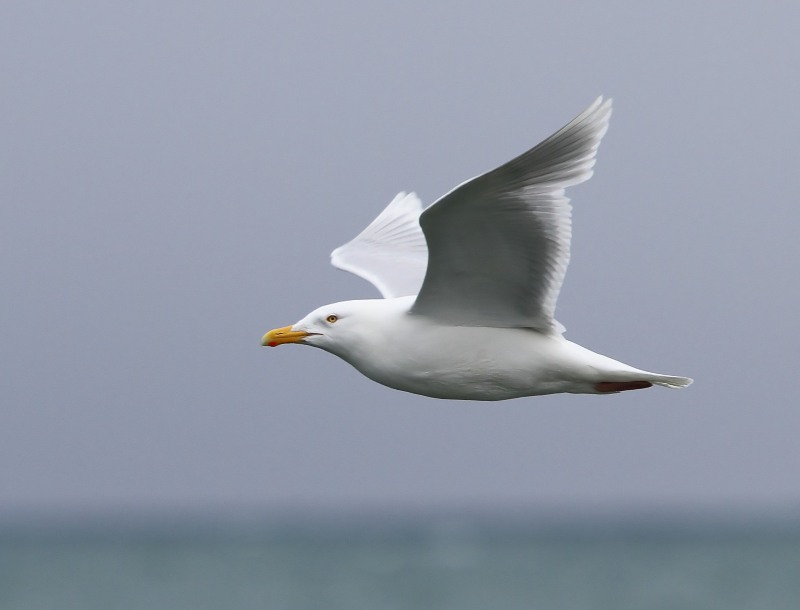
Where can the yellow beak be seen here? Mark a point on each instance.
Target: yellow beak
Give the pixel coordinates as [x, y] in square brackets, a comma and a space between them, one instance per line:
[282, 335]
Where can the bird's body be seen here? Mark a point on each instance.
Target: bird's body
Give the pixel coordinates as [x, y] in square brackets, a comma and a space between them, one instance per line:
[481, 325]
[418, 355]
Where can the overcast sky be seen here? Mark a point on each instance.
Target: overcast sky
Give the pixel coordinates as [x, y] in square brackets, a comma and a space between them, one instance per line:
[175, 174]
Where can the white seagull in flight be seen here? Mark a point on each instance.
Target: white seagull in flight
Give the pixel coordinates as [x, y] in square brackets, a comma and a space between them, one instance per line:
[470, 286]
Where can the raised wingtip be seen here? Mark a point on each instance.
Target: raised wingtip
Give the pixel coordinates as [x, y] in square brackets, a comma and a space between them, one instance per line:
[599, 102]
[390, 252]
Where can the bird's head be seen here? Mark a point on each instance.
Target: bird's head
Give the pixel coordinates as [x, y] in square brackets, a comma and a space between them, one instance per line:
[330, 327]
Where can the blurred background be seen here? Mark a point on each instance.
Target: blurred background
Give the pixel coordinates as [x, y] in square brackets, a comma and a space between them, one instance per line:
[174, 176]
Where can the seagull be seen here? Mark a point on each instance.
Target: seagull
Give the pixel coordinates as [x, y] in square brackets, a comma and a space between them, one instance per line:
[470, 284]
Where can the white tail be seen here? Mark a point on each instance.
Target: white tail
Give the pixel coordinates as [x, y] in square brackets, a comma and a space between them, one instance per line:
[670, 381]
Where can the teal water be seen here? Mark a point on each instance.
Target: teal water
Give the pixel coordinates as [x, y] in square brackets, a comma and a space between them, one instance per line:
[451, 565]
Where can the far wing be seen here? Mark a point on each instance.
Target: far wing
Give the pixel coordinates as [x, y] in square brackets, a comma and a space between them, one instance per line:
[391, 252]
[499, 243]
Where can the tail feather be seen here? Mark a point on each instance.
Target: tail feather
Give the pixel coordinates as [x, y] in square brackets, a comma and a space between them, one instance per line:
[671, 381]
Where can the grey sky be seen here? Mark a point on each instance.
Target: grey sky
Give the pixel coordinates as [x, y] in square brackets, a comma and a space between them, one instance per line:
[175, 174]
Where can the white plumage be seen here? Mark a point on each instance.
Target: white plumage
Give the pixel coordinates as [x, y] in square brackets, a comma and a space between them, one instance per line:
[470, 285]
[391, 252]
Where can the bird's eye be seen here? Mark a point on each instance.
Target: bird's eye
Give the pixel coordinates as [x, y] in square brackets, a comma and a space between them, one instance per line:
[332, 318]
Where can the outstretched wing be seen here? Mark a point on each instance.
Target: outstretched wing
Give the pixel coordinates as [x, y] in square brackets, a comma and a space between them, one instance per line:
[391, 252]
[499, 243]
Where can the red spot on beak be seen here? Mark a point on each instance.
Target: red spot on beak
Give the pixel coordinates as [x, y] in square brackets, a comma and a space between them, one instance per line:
[272, 343]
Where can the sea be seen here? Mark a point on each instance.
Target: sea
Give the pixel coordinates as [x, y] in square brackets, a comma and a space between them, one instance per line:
[374, 562]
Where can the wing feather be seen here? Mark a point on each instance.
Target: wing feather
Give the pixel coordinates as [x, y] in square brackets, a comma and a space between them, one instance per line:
[391, 252]
[499, 243]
